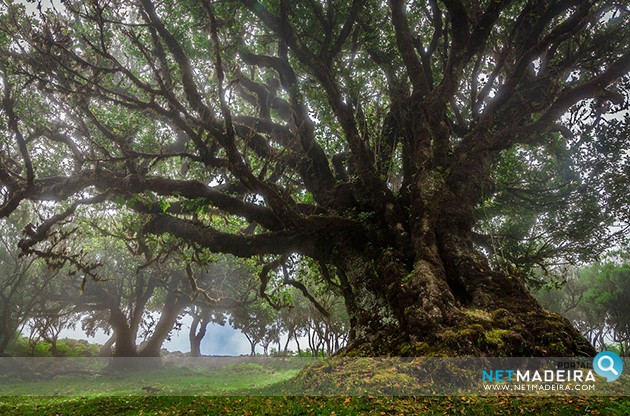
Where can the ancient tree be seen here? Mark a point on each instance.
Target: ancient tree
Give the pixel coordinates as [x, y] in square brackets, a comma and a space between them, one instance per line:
[381, 140]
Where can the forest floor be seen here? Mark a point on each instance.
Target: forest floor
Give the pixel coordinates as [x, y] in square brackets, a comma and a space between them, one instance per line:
[251, 389]
[231, 405]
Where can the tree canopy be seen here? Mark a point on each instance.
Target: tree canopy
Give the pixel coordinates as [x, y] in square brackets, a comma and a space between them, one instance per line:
[423, 155]
[595, 298]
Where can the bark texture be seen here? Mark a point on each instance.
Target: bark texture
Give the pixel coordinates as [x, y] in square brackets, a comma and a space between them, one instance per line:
[494, 316]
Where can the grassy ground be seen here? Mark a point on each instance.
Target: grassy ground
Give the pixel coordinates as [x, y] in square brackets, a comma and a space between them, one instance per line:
[246, 389]
[163, 405]
[162, 381]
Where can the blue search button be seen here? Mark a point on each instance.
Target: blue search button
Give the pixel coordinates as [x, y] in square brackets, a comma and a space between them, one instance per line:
[608, 365]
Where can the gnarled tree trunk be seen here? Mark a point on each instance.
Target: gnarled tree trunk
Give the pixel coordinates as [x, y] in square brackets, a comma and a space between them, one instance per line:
[442, 297]
[429, 291]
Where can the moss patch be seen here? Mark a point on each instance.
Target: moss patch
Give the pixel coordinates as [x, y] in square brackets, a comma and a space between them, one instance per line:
[512, 330]
[502, 333]
[479, 314]
[495, 336]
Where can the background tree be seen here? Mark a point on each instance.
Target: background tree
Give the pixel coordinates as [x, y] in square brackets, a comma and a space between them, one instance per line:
[294, 321]
[322, 320]
[326, 334]
[201, 318]
[567, 297]
[224, 285]
[49, 318]
[23, 281]
[612, 291]
[595, 299]
[257, 321]
[367, 136]
[126, 296]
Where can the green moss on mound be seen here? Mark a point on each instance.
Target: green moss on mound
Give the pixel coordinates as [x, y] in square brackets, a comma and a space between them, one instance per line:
[478, 332]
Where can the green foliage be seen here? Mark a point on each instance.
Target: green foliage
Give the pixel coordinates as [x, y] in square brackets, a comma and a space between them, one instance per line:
[595, 298]
[541, 211]
[25, 282]
[66, 347]
[619, 408]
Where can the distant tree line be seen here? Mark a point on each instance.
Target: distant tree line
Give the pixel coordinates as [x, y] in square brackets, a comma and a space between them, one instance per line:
[139, 291]
[597, 300]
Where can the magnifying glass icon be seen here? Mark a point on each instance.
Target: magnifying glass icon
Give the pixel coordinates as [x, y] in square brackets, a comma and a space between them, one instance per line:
[610, 367]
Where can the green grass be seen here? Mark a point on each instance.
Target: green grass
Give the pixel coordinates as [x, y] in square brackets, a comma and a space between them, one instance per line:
[162, 405]
[247, 389]
[162, 381]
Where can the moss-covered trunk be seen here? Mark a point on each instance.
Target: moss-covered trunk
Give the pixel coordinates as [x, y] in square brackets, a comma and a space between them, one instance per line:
[446, 301]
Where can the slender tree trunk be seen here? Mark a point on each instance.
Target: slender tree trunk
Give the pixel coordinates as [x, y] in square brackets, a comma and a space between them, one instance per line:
[53, 347]
[196, 334]
[252, 344]
[311, 339]
[286, 344]
[165, 325]
[4, 342]
[106, 349]
[125, 337]
[7, 331]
